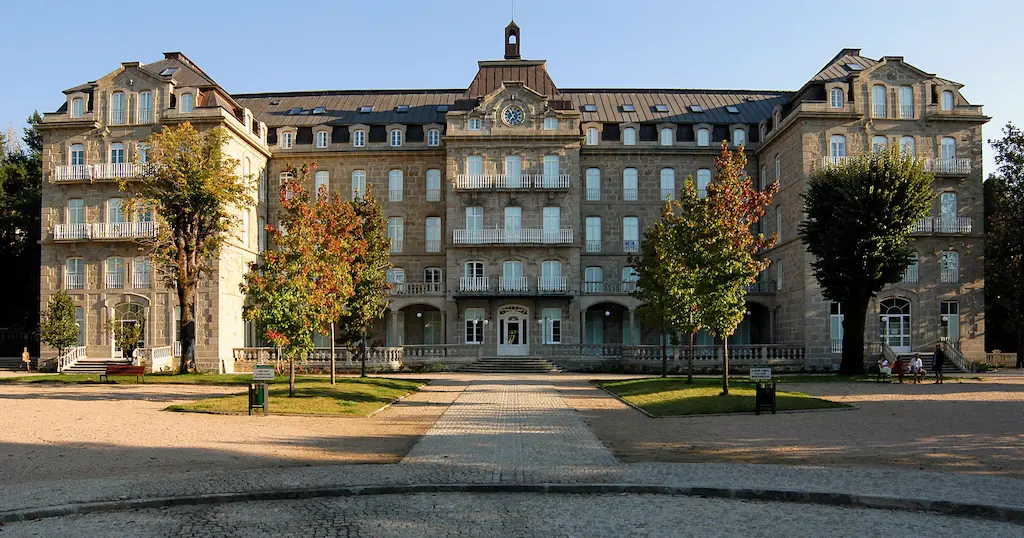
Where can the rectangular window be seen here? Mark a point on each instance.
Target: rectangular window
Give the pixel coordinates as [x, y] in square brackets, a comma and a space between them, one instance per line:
[739, 137]
[764, 178]
[947, 101]
[396, 232]
[949, 267]
[358, 184]
[550, 124]
[552, 224]
[432, 280]
[117, 109]
[475, 165]
[906, 102]
[878, 108]
[668, 183]
[77, 155]
[666, 137]
[836, 96]
[142, 275]
[76, 211]
[629, 136]
[836, 326]
[474, 325]
[948, 149]
[631, 234]
[949, 321]
[514, 171]
[593, 280]
[703, 137]
[114, 213]
[358, 138]
[778, 221]
[433, 185]
[80, 321]
[321, 139]
[778, 275]
[475, 219]
[703, 180]
[474, 124]
[117, 153]
[396, 138]
[322, 182]
[74, 274]
[907, 146]
[550, 171]
[113, 277]
[146, 107]
[186, 103]
[433, 137]
[778, 168]
[947, 212]
[593, 184]
[77, 107]
[592, 137]
[879, 144]
[396, 186]
[630, 187]
[286, 140]
[552, 318]
[513, 219]
[837, 146]
[433, 234]
[262, 223]
[593, 234]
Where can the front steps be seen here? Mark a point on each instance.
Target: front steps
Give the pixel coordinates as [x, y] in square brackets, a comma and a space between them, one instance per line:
[510, 365]
[93, 366]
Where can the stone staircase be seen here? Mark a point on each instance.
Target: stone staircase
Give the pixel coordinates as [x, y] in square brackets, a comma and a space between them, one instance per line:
[93, 366]
[510, 365]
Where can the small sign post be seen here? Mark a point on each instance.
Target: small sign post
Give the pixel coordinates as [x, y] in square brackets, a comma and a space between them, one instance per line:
[765, 390]
[258, 390]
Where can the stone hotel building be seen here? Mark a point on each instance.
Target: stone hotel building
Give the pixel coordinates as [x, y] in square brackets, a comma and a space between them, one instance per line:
[513, 204]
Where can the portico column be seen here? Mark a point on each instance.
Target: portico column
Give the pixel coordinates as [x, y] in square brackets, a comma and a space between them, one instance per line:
[583, 326]
[394, 327]
[632, 332]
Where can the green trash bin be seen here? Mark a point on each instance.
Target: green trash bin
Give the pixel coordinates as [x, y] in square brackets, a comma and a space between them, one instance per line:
[258, 397]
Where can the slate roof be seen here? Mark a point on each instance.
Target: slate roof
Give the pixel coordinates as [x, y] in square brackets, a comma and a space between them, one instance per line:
[342, 107]
[531, 73]
[752, 106]
[836, 68]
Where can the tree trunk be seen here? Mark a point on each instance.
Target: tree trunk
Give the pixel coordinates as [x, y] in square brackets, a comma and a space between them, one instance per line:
[333, 380]
[291, 376]
[362, 358]
[689, 361]
[854, 323]
[187, 302]
[1020, 344]
[725, 366]
[664, 350]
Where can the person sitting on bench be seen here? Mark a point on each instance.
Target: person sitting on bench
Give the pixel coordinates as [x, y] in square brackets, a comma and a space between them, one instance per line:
[917, 369]
[883, 368]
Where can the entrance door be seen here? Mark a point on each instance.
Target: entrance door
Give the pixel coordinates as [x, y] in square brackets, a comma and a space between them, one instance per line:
[895, 318]
[512, 330]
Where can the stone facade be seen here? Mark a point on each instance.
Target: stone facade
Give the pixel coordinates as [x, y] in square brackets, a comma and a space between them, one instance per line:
[511, 170]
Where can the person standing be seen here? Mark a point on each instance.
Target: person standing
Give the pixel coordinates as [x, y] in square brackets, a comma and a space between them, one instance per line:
[897, 368]
[27, 359]
[937, 361]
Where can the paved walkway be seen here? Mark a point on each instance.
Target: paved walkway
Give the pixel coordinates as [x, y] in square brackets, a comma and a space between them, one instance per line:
[508, 431]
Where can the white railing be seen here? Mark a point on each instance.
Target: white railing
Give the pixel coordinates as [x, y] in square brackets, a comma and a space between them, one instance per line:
[396, 245]
[954, 225]
[65, 232]
[447, 353]
[142, 280]
[950, 275]
[667, 193]
[552, 181]
[433, 245]
[118, 117]
[417, 288]
[906, 112]
[176, 349]
[923, 226]
[433, 195]
[522, 235]
[513, 284]
[159, 359]
[123, 230]
[552, 284]
[834, 161]
[594, 195]
[69, 359]
[630, 245]
[72, 172]
[115, 171]
[473, 283]
[629, 195]
[113, 281]
[955, 166]
[837, 345]
[878, 111]
[911, 274]
[74, 281]
[504, 181]
[593, 245]
[608, 287]
[395, 195]
[473, 181]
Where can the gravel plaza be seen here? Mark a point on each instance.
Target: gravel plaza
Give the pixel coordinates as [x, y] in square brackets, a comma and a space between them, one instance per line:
[109, 459]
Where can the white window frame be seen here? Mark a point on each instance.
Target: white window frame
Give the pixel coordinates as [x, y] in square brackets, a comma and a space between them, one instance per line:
[593, 234]
[703, 180]
[514, 170]
[631, 234]
[322, 139]
[142, 272]
[879, 144]
[837, 146]
[77, 107]
[433, 137]
[433, 234]
[114, 265]
[949, 321]
[434, 185]
[396, 233]
[837, 99]
[262, 223]
[359, 138]
[778, 275]
[474, 328]
[186, 103]
[629, 136]
[475, 165]
[593, 279]
[396, 186]
[666, 136]
[551, 318]
[74, 273]
[947, 101]
[551, 220]
[593, 185]
[879, 105]
[75, 211]
[550, 124]
[668, 183]
[739, 137]
[474, 219]
[358, 184]
[592, 136]
[944, 143]
[118, 108]
[145, 112]
[630, 184]
[474, 124]
[396, 138]
[321, 179]
[906, 94]
[287, 140]
[778, 222]
[551, 170]
[76, 150]
[703, 137]
[949, 267]
[117, 153]
[835, 326]
[778, 168]
[908, 145]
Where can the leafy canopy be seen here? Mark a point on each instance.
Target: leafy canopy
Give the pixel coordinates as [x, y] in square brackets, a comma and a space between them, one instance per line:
[59, 327]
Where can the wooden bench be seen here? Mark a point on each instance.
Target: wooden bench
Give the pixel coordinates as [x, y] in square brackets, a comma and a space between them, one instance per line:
[124, 369]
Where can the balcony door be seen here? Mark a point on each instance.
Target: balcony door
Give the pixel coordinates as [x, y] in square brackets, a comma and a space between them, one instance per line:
[474, 224]
[512, 278]
[947, 208]
[513, 324]
[551, 276]
[513, 224]
[552, 223]
[514, 171]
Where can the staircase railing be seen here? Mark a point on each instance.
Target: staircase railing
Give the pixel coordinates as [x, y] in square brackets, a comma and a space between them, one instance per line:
[954, 355]
[69, 359]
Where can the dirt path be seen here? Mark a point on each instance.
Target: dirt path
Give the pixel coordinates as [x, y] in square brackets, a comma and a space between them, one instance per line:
[966, 427]
[51, 432]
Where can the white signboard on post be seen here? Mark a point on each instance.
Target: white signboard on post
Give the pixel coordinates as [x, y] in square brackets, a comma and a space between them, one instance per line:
[760, 373]
[263, 372]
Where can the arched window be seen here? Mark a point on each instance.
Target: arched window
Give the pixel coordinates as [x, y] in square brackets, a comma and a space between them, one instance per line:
[321, 139]
[593, 280]
[631, 234]
[358, 184]
[906, 102]
[359, 138]
[836, 97]
[592, 137]
[907, 146]
[666, 137]
[113, 274]
[118, 109]
[321, 180]
[146, 107]
[630, 188]
[74, 274]
[187, 103]
[947, 101]
[703, 137]
[77, 107]
[703, 180]
[739, 137]
[878, 108]
[593, 187]
[396, 186]
[668, 183]
[433, 185]
[896, 323]
[396, 138]
[433, 234]
[879, 144]
[629, 136]
[434, 137]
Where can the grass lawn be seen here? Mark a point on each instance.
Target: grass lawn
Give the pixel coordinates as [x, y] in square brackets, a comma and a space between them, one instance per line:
[315, 396]
[673, 397]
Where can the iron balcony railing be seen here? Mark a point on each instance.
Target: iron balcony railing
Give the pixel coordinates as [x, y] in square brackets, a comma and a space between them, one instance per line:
[911, 275]
[74, 281]
[417, 288]
[396, 245]
[952, 167]
[513, 284]
[552, 284]
[593, 245]
[631, 245]
[511, 181]
[142, 280]
[433, 195]
[512, 236]
[944, 225]
[395, 195]
[593, 195]
[608, 287]
[433, 245]
[906, 112]
[834, 161]
[949, 275]
[473, 283]
[629, 195]
[113, 281]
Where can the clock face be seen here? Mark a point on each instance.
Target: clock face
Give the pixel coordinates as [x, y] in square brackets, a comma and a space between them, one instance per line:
[513, 116]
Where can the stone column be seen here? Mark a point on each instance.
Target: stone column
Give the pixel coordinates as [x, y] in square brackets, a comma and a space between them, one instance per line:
[394, 327]
[632, 331]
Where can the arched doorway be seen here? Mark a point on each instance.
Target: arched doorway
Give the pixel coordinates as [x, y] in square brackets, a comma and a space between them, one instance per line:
[895, 319]
[127, 315]
[513, 324]
[608, 323]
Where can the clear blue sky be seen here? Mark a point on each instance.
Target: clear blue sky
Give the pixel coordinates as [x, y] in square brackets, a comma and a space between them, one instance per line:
[257, 45]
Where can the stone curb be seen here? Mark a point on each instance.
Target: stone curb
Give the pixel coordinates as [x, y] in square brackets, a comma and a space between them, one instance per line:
[1012, 514]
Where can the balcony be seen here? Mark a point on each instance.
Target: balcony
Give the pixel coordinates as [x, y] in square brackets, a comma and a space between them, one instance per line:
[417, 288]
[911, 275]
[828, 162]
[473, 284]
[593, 195]
[396, 245]
[113, 281]
[146, 115]
[513, 285]
[878, 111]
[944, 225]
[949, 167]
[593, 245]
[123, 230]
[70, 232]
[74, 281]
[118, 117]
[72, 172]
[395, 195]
[949, 275]
[433, 195]
[630, 195]
[762, 286]
[906, 112]
[552, 284]
[511, 182]
[512, 236]
[142, 280]
[89, 172]
[608, 287]
[433, 245]
[631, 245]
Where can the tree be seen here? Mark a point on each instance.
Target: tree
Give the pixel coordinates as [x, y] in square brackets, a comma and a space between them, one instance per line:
[20, 210]
[1004, 239]
[369, 268]
[190, 183]
[293, 290]
[59, 327]
[127, 335]
[732, 251]
[859, 217]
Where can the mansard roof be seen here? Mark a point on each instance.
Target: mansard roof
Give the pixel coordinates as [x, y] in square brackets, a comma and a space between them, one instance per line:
[342, 107]
[492, 74]
[751, 106]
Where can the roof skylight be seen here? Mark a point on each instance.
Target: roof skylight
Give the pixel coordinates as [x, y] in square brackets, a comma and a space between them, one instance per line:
[590, 108]
[319, 110]
[168, 71]
[628, 108]
[402, 108]
[732, 110]
[442, 108]
[365, 109]
[696, 108]
[295, 111]
[661, 108]
[855, 67]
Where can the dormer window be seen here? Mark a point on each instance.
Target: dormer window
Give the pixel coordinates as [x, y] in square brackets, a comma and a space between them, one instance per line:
[666, 137]
[286, 140]
[629, 136]
[592, 136]
[365, 109]
[473, 124]
[732, 109]
[168, 71]
[359, 138]
[117, 109]
[550, 124]
[696, 108]
[778, 118]
[186, 103]
[703, 137]
[947, 101]
[396, 138]
[836, 97]
[77, 107]
[321, 139]
[320, 110]
[295, 111]
[739, 137]
[434, 137]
